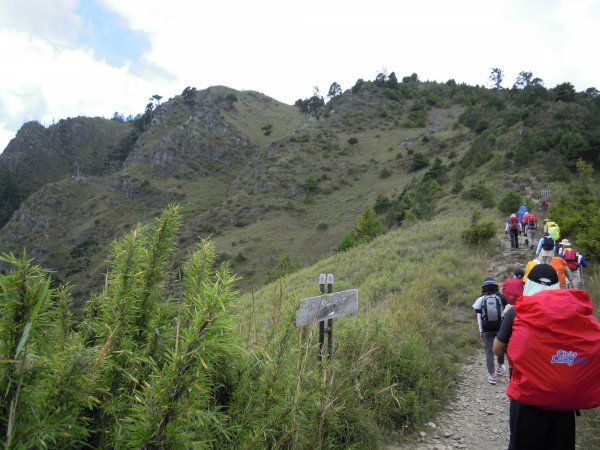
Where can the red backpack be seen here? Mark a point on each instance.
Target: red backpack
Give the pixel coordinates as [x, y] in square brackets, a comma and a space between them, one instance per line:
[530, 221]
[555, 351]
[512, 289]
[514, 223]
[570, 256]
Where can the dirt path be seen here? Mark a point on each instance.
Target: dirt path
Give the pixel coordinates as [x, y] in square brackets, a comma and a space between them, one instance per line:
[478, 418]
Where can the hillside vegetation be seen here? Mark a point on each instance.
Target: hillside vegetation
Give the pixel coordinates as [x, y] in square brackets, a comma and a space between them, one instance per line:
[134, 336]
[149, 369]
[279, 186]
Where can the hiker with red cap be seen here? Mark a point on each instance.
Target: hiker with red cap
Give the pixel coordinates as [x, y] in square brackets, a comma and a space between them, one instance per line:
[552, 341]
[488, 308]
[512, 288]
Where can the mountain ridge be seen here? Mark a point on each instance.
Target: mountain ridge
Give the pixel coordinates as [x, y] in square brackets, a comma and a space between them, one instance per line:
[266, 180]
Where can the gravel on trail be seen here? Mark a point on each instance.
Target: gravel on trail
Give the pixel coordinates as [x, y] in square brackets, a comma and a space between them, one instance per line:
[478, 418]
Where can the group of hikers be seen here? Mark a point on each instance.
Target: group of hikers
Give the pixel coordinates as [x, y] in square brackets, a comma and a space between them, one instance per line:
[542, 320]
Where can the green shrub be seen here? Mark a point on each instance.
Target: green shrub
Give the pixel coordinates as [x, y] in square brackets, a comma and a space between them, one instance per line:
[382, 203]
[310, 184]
[458, 186]
[285, 266]
[510, 203]
[385, 173]
[481, 126]
[348, 241]
[419, 161]
[479, 233]
[481, 192]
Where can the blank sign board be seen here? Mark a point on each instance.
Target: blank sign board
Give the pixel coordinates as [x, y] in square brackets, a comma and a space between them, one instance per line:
[327, 306]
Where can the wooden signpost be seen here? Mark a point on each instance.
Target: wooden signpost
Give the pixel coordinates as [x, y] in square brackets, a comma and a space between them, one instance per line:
[326, 307]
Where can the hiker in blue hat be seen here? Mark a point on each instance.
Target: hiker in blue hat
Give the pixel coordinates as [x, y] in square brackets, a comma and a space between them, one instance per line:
[488, 308]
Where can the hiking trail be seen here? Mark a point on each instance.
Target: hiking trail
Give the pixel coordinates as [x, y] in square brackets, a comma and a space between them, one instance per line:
[478, 417]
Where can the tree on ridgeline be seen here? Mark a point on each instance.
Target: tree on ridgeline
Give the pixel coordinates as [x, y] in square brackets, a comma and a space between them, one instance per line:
[496, 77]
[335, 90]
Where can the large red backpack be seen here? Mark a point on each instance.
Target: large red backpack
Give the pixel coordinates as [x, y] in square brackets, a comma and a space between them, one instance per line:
[530, 221]
[555, 351]
[514, 223]
[570, 256]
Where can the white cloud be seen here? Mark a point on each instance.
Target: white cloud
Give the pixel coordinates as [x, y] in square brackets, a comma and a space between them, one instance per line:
[283, 48]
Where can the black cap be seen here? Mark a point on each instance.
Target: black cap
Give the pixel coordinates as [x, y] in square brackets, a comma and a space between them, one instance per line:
[543, 274]
[489, 281]
[519, 273]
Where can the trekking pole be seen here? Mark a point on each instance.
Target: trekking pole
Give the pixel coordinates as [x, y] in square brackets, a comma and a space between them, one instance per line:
[322, 280]
[329, 321]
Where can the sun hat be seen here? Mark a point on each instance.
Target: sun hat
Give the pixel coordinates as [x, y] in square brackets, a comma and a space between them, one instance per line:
[543, 274]
[565, 243]
[489, 281]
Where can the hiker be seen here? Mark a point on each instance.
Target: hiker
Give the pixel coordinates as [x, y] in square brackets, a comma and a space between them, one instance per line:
[512, 288]
[522, 211]
[562, 270]
[530, 265]
[575, 262]
[514, 227]
[488, 308]
[545, 248]
[529, 229]
[542, 416]
[554, 231]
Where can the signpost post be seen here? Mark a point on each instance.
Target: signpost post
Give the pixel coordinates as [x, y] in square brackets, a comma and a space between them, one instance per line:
[326, 307]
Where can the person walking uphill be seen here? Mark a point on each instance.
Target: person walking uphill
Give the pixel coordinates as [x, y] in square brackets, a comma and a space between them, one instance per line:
[552, 340]
[513, 227]
[554, 232]
[575, 261]
[545, 248]
[488, 308]
[529, 229]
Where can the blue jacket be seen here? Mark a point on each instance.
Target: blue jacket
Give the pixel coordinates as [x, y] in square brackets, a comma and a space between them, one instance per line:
[521, 212]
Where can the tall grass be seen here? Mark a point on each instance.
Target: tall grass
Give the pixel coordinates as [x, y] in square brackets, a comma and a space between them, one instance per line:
[196, 365]
[588, 424]
[395, 362]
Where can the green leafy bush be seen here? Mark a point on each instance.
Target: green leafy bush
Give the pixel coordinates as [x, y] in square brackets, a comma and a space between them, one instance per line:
[479, 233]
[510, 203]
[480, 191]
[419, 161]
[385, 173]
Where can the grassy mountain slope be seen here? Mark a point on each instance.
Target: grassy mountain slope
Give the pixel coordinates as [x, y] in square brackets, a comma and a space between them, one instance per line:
[39, 155]
[431, 158]
[295, 193]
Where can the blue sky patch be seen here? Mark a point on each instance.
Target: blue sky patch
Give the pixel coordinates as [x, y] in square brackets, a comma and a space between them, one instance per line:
[108, 35]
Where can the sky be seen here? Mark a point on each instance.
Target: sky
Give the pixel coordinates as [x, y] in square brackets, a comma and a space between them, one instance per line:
[67, 58]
